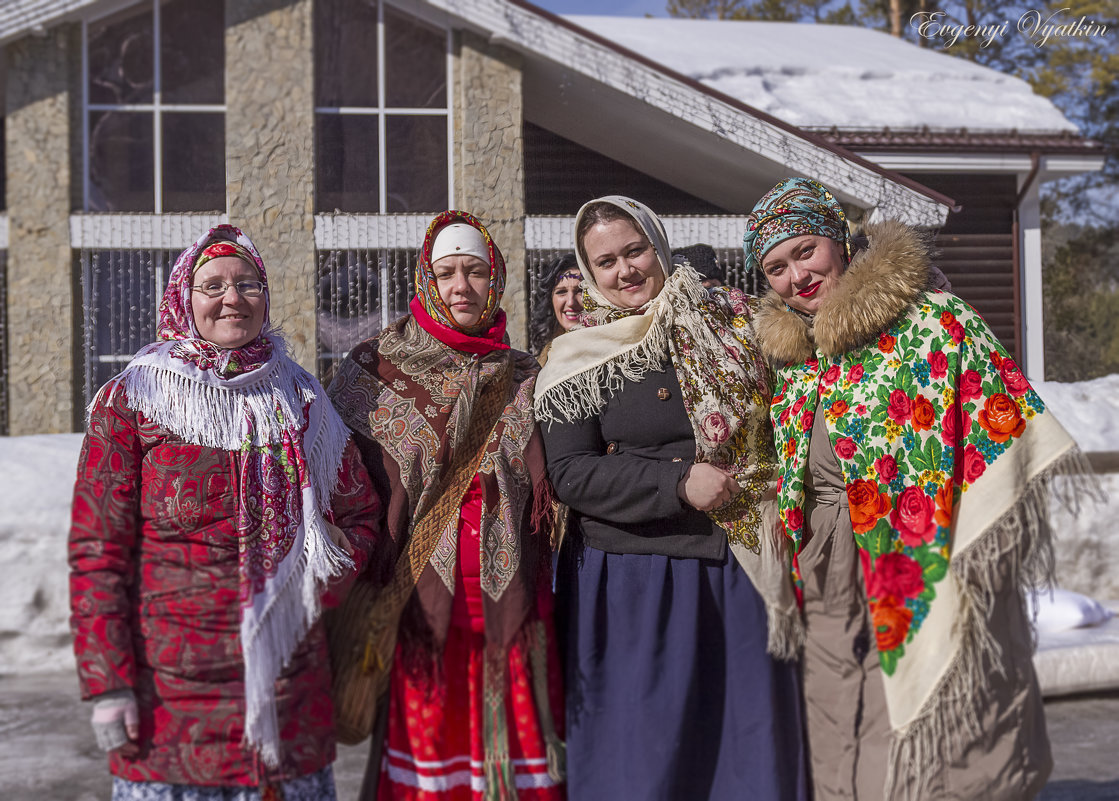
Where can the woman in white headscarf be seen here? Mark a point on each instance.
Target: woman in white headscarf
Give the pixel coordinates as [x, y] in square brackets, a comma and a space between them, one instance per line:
[673, 591]
[441, 408]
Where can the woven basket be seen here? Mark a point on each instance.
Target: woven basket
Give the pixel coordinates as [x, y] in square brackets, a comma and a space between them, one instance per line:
[356, 688]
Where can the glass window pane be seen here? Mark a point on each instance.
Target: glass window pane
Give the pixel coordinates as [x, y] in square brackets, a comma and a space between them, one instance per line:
[346, 163]
[346, 53]
[120, 57]
[120, 309]
[193, 161]
[120, 161]
[416, 155]
[192, 51]
[359, 290]
[415, 63]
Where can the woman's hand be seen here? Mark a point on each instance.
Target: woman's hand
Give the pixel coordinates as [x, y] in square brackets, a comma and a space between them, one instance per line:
[706, 487]
[116, 721]
[339, 538]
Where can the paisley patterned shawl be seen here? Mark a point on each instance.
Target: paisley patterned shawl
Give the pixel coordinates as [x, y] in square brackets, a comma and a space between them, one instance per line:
[254, 401]
[409, 395]
[946, 451]
[707, 335]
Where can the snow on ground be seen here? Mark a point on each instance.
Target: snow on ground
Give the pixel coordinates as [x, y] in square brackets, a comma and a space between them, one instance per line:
[825, 75]
[37, 476]
[1089, 410]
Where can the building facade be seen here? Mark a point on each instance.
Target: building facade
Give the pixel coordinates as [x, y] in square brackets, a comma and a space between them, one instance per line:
[331, 131]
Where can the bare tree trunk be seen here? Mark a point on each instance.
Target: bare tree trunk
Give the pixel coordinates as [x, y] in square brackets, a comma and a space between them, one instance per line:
[895, 18]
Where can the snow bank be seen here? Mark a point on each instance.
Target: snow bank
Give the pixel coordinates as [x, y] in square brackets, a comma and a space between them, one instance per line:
[841, 75]
[37, 474]
[1089, 410]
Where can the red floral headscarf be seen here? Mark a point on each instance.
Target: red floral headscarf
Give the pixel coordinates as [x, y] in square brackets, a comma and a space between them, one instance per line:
[176, 316]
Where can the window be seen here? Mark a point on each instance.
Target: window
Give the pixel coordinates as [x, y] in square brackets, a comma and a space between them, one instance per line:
[154, 108]
[381, 115]
[360, 292]
[120, 289]
[124, 261]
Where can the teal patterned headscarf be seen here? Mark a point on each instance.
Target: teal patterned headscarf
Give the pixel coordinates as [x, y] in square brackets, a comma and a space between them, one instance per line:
[795, 207]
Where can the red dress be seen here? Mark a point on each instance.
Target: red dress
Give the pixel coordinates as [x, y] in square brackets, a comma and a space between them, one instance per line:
[436, 742]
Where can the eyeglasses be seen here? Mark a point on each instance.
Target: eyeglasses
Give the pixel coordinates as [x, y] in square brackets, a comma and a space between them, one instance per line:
[217, 289]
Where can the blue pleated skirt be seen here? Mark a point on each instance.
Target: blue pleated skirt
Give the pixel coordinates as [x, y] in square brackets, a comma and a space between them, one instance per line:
[670, 692]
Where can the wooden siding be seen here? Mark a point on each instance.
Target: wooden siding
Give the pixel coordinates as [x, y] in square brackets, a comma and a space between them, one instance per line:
[561, 175]
[976, 249]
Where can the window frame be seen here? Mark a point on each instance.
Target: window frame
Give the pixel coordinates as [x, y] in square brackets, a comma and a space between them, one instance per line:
[157, 108]
[382, 112]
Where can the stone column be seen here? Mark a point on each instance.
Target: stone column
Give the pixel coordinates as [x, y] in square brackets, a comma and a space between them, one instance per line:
[44, 297]
[489, 165]
[269, 153]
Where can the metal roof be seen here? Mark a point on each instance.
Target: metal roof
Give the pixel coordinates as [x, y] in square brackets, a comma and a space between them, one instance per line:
[21, 17]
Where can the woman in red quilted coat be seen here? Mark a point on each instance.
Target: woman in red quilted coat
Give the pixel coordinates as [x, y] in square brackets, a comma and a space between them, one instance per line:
[218, 502]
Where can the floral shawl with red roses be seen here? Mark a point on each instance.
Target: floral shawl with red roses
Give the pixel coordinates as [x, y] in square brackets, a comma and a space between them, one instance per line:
[945, 449]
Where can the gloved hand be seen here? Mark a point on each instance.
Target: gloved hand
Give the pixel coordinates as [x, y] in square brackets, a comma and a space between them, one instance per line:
[116, 719]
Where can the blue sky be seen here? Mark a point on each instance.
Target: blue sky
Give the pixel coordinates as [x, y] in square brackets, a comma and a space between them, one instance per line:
[618, 8]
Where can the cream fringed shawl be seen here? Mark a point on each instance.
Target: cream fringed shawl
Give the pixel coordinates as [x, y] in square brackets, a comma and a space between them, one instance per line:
[946, 452]
[725, 385]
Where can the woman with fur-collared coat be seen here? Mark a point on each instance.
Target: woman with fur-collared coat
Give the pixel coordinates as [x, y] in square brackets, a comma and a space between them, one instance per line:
[915, 460]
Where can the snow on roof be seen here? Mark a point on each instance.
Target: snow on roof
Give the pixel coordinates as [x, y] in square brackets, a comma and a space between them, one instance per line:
[819, 76]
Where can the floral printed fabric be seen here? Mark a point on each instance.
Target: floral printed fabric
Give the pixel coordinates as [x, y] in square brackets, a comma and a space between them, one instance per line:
[916, 419]
[257, 401]
[318, 786]
[154, 556]
[726, 401]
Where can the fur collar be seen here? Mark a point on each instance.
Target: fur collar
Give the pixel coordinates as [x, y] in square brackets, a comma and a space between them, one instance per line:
[881, 284]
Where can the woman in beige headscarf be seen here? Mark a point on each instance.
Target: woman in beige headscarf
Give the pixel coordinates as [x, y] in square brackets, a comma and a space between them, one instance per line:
[672, 589]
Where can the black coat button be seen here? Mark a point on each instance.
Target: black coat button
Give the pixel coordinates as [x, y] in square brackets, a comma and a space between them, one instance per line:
[611, 447]
[663, 394]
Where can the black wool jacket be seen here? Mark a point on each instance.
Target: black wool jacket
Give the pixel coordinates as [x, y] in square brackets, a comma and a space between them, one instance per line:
[619, 472]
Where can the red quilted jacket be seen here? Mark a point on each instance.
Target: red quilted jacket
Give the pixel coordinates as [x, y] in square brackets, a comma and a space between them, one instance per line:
[154, 602]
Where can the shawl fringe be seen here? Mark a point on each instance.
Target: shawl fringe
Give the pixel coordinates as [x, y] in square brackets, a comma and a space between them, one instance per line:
[786, 632]
[173, 400]
[282, 626]
[584, 393]
[1017, 548]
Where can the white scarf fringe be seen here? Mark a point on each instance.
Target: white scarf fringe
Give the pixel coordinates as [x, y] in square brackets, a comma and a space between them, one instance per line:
[1020, 545]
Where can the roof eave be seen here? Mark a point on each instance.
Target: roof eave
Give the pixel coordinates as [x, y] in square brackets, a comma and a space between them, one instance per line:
[532, 31]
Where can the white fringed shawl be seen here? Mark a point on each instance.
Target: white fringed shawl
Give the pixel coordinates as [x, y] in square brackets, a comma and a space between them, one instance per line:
[276, 409]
